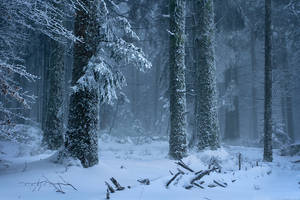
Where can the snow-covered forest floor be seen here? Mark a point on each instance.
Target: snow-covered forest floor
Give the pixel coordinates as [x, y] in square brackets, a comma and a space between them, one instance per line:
[22, 165]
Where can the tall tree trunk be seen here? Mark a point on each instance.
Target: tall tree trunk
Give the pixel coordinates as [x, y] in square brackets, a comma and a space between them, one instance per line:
[268, 157]
[287, 93]
[53, 98]
[45, 80]
[254, 104]
[206, 119]
[53, 132]
[81, 137]
[177, 139]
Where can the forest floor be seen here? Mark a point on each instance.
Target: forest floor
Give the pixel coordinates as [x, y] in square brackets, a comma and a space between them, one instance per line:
[23, 174]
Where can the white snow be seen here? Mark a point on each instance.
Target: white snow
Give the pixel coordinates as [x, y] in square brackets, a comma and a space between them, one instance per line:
[128, 162]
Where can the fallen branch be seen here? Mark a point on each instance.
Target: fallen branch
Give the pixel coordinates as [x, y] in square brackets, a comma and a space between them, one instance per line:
[220, 184]
[57, 186]
[117, 184]
[107, 194]
[183, 165]
[199, 176]
[173, 178]
[145, 181]
[199, 185]
[296, 161]
[109, 187]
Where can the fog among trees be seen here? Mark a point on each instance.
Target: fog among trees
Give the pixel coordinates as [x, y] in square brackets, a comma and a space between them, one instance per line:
[125, 88]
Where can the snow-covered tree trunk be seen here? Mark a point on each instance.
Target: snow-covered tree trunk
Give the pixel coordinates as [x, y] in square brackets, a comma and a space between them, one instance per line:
[206, 119]
[268, 85]
[81, 137]
[177, 86]
[53, 130]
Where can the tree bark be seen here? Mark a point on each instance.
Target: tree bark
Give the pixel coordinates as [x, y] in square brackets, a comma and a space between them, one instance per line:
[81, 137]
[177, 141]
[206, 119]
[268, 157]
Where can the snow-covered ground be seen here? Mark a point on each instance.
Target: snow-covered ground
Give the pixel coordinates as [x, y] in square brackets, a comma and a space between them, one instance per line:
[127, 163]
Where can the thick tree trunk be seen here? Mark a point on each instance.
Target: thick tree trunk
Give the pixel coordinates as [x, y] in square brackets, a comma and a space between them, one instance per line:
[81, 137]
[268, 85]
[206, 119]
[177, 139]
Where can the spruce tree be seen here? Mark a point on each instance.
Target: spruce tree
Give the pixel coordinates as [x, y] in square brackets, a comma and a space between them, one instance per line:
[206, 120]
[177, 86]
[81, 138]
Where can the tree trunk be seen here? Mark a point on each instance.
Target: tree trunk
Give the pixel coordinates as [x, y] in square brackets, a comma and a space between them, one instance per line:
[254, 105]
[81, 137]
[177, 139]
[53, 132]
[287, 91]
[232, 129]
[206, 119]
[268, 157]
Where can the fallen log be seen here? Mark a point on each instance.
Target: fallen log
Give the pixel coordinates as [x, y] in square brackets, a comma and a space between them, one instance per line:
[117, 184]
[296, 161]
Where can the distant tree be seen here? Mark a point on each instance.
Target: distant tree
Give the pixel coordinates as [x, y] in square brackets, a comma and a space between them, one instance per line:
[177, 141]
[206, 132]
[268, 84]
